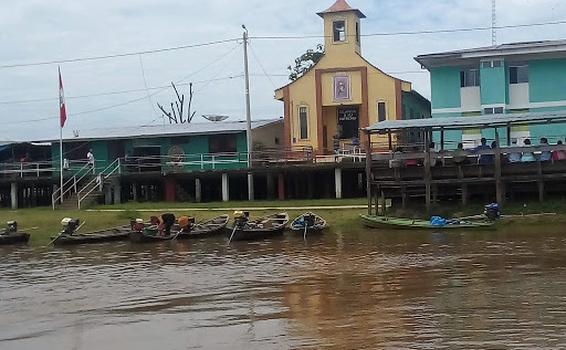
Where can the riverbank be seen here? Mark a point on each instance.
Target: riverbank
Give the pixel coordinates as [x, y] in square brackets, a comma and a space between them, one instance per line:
[340, 214]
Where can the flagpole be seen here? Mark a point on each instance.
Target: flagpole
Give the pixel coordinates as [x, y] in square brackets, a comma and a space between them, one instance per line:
[61, 159]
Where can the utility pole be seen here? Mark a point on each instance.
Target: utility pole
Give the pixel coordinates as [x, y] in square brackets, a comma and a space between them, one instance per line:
[493, 23]
[249, 139]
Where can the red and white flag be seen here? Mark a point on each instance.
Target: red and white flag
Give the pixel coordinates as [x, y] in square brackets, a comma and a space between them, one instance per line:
[62, 109]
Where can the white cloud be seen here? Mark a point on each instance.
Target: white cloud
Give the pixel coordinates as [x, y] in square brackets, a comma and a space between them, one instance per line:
[40, 30]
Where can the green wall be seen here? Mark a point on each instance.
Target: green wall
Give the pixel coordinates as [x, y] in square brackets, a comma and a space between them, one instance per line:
[547, 80]
[493, 85]
[193, 147]
[445, 83]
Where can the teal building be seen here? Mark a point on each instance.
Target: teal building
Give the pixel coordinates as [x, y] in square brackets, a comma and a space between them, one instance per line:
[527, 77]
[173, 148]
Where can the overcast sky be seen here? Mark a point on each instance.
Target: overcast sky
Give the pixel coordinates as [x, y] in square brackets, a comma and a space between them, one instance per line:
[45, 30]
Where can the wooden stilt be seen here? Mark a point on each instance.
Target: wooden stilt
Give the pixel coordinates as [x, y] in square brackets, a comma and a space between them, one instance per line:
[369, 172]
[498, 182]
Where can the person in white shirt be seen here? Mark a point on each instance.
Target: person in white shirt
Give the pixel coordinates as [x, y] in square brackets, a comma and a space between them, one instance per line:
[90, 158]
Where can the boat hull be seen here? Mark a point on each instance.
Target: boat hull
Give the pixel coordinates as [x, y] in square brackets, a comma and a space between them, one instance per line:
[140, 237]
[112, 235]
[410, 224]
[254, 235]
[213, 227]
[298, 225]
[14, 238]
[262, 228]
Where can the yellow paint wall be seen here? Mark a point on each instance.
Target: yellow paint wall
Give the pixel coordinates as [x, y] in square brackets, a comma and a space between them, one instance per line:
[381, 87]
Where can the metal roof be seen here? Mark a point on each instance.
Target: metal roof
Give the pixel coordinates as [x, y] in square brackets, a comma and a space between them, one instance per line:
[503, 50]
[169, 130]
[484, 121]
[341, 6]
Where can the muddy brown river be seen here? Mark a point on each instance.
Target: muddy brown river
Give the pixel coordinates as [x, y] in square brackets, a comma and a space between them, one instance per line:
[360, 289]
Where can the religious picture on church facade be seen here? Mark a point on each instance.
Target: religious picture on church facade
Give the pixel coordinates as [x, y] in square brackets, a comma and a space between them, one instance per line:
[341, 88]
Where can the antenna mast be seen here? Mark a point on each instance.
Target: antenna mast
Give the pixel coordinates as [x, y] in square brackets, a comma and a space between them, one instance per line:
[493, 23]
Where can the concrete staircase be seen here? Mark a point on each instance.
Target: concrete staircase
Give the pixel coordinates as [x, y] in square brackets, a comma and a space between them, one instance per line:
[72, 201]
[88, 190]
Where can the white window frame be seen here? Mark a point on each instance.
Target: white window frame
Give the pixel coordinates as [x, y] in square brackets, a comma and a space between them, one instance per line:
[300, 124]
[492, 110]
[492, 64]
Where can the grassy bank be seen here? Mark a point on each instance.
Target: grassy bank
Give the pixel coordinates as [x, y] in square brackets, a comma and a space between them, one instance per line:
[46, 222]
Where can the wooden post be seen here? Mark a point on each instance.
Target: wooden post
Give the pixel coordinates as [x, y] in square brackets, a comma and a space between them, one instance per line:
[428, 174]
[281, 187]
[499, 194]
[540, 182]
[390, 140]
[464, 194]
[368, 172]
[508, 135]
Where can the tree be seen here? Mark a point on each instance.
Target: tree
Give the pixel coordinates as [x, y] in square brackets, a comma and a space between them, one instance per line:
[176, 115]
[305, 62]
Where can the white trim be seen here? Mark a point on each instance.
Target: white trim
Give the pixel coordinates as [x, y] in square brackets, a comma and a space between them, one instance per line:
[446, 110]
[549, 104]
[561, 103]
[494, 105]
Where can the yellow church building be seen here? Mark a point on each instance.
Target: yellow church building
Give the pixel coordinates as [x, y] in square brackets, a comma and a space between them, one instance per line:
[343, 92]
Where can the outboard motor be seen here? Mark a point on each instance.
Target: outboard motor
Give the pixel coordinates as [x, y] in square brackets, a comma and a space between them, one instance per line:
[241, 218]
[491, 211]
[309, 220]
[186, 223]
[70, 225]
[11, 226]
[138, 225]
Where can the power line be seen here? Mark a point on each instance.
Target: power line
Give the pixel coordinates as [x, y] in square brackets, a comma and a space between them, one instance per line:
[118, 92]
[262, 67]
[95, 58]
[419, 32]
[159, 90]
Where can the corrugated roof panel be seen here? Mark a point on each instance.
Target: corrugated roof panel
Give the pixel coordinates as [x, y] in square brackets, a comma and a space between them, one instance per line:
[487, 121]
[148, 131]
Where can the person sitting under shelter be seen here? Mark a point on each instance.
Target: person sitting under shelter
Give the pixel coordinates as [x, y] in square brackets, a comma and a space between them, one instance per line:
[484, 159]
[545, 156]
[460, 155]
[559, 154]
[433, 154]
[528, 156]
[514, 157]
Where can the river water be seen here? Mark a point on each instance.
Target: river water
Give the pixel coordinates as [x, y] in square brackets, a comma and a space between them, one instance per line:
[360, 289]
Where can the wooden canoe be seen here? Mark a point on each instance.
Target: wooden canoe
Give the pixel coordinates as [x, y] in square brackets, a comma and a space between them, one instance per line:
[108, 235]
[416, 224]
[265, 227]
[208, 228]
[317, 226]
[8, 238]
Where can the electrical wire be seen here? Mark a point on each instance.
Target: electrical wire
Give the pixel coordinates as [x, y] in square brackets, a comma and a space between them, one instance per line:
[149, 99]
[159, 90]
[262, 67]
[418, 32]
[104, 57]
